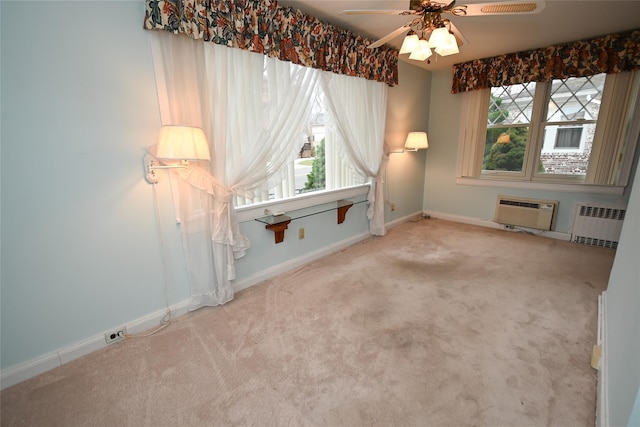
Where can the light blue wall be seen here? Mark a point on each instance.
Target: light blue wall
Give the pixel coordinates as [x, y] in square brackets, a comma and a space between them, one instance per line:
[321, 230]
[623, 321]
[442, 194]
[634, 419]
[408, 111]
[81, 253]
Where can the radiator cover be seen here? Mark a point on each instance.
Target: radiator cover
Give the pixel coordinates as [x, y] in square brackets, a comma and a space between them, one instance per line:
[523, 212]
[597, 225]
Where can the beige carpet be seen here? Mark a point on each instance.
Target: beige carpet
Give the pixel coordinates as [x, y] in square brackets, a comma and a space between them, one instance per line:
[436, 324]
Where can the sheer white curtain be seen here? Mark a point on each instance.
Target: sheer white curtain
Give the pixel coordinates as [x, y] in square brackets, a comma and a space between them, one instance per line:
[257, 128]
[252, 108]
[359, 109]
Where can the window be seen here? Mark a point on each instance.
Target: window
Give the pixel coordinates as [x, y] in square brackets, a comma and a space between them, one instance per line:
[567, 138]
[575, 130]
[510, 110]
[317, 163]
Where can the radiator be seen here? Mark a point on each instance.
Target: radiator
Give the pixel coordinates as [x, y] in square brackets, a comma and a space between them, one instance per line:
[597, 225]
[530, 213]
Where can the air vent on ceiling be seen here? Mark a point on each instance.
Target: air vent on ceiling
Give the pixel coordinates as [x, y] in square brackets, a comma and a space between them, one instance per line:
[509, 8]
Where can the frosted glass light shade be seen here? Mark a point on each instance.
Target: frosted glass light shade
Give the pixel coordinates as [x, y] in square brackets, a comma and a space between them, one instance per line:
[422, 51]
[416, 141]
[448, 46]
[438, 37]
[409, 44]
[182, 143]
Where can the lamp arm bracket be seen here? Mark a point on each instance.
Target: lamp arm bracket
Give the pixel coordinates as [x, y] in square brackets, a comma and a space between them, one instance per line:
[151, 164]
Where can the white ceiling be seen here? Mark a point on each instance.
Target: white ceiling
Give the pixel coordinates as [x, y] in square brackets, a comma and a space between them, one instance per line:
[560, 21]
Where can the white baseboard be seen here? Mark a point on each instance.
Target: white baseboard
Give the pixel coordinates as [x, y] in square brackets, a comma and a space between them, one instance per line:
[602, 400]
[291, 264]
[490, 224]
[44, 363]
[396, 222]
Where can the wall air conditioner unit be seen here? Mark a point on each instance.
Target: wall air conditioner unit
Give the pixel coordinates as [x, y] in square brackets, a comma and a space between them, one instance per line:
[530, 213]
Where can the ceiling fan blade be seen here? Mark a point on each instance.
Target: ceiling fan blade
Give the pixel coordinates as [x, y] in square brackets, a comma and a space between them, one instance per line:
[516, 7]
[460, 39]
[391, 35]
[375, 12]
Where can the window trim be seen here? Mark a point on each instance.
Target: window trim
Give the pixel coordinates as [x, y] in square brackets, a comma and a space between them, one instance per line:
[561, 187]
[620, 124]
[253, 211]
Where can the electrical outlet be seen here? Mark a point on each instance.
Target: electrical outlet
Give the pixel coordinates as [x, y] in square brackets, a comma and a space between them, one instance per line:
[393, 206]
[301, 233]
[117, 335]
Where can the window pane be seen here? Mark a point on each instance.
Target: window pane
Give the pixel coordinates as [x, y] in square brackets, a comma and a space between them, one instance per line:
[566, 150]
[576, 102]
[505, 146]
[310, 166]
[511, 104]
[505, 149]
[318, 162]
[575, 98]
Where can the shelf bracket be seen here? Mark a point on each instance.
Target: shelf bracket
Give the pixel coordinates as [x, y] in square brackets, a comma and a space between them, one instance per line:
[278, 229]
[343, 207]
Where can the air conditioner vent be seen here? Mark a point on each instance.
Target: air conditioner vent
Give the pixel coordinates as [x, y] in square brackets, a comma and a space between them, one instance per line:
[520, 203]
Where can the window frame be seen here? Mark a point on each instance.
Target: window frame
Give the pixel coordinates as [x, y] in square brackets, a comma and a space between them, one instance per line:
[341, 177]
[609, 166]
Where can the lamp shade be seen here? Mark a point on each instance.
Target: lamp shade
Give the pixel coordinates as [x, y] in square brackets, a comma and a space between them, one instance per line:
[416, 141]
[438, 37]
[410, 43]
[182, 143]
[448, 46]
[422, 51]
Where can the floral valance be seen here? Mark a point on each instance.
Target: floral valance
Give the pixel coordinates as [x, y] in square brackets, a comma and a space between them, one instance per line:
[280, 32]
[609, 54]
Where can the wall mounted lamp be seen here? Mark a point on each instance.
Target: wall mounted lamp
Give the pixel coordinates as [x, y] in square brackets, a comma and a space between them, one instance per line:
[416, 141]
[176, 143]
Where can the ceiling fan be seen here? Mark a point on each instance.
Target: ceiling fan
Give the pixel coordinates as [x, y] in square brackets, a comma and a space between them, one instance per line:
[428, 30]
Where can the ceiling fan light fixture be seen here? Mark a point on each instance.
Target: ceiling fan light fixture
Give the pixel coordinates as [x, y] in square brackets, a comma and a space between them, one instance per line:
[438, 37]
[410, 43]
[448, 47]
[422, 51]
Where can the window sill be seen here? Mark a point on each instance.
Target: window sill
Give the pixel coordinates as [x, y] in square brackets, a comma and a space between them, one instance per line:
[545, 186]
[251, 212]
